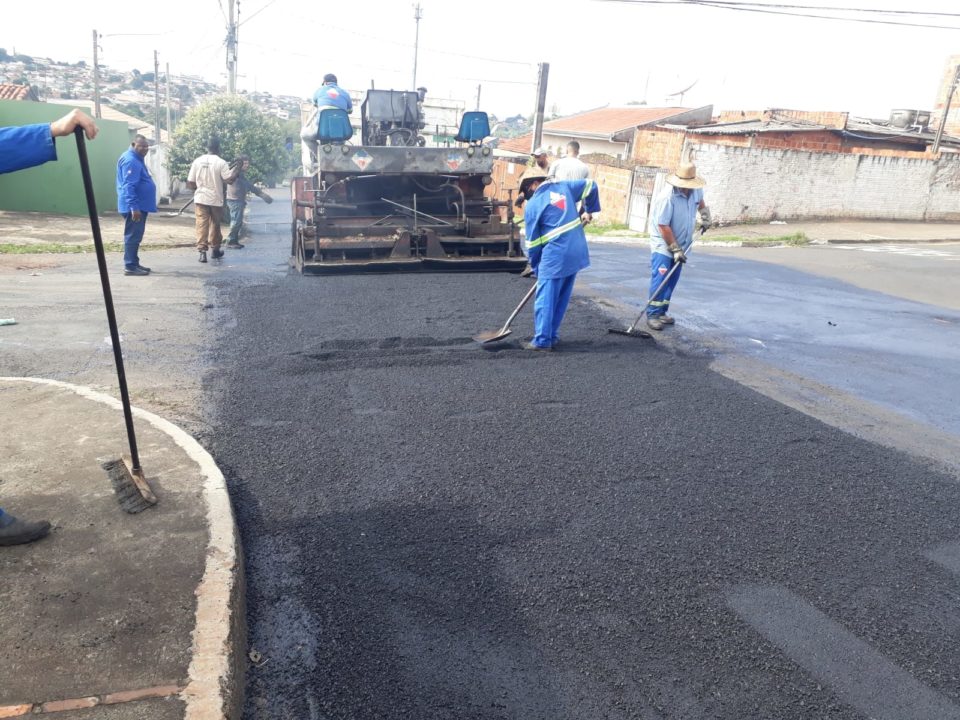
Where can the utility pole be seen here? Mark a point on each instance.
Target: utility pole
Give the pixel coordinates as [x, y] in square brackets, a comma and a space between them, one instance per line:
[417, 14]
[541, 104]
[96, 78]
[478, 97]
[156, 96]
[946, 109]
[169, 125]
[231, 49]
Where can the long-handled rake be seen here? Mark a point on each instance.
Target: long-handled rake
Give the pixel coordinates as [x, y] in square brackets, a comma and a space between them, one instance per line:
[633, 330]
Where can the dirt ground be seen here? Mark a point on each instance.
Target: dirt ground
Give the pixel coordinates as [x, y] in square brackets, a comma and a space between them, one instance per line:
[41, 229]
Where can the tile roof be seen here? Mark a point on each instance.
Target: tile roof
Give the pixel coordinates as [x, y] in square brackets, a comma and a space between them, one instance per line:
[519, 144]
[16, 92]
[604, 122]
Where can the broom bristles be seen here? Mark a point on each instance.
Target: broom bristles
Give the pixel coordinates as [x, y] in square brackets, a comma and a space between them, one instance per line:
[124, 487]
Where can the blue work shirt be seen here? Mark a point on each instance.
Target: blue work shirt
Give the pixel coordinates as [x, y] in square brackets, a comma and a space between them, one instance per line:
[26, 146]
[679, 212]
[332, 95]
[557, 245]
[135, 188]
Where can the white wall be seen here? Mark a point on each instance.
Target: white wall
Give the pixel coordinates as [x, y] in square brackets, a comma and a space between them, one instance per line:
[759, 185]
[557, 145]
[156, 161]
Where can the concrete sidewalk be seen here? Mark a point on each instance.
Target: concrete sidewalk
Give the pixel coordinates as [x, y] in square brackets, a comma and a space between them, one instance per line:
[820, 233]
[114, 616]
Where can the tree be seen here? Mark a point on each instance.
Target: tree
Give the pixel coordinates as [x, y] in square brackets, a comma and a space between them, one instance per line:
[242, 129]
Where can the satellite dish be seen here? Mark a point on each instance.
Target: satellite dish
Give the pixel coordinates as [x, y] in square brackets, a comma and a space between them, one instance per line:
[683, 92]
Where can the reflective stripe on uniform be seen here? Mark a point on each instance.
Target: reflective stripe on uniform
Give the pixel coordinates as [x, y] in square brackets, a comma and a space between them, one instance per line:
[556, 232]
[587, 187]
[659, 303]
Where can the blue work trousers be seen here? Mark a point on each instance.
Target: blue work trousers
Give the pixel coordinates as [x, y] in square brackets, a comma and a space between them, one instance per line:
[660, 265]
[549, 305]
[132, 236]
[236, 219]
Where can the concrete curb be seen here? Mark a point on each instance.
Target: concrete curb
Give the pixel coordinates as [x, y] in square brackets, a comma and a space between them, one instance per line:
[215, 687]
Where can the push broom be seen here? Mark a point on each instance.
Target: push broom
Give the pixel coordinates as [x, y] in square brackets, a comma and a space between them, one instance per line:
[131, 487]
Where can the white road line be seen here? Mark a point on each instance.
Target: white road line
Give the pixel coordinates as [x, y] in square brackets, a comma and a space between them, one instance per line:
[908, 250]
[946, 556]
[857, 673]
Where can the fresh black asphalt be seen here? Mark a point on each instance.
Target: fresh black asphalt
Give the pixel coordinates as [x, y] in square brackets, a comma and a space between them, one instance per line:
[433, 529]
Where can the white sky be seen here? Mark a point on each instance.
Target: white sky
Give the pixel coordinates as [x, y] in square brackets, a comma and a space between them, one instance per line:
[599, 52]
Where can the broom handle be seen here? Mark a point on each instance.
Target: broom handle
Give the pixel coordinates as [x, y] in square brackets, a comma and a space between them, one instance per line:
[107, 296]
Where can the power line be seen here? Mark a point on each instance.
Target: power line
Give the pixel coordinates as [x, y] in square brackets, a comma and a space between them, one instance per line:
[251, 17]
[770, 10]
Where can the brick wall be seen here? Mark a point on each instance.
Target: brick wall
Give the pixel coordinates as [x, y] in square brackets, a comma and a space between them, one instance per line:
[614, 187]
[759, 185]
[815, 141]
[658, 147]
[827, 118]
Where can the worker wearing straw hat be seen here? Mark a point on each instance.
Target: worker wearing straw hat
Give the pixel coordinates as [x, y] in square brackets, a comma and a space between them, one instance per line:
[674, 219]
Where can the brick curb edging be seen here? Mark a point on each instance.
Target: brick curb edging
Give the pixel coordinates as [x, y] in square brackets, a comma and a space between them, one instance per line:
[114, 698]
[214, 690]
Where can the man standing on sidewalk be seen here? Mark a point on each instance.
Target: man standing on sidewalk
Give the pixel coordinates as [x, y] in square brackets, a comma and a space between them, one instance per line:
[570, 167]
[557, 246]
[237, 202]
[136, 197]
[207, 175]
[23, 147]
[674, 220]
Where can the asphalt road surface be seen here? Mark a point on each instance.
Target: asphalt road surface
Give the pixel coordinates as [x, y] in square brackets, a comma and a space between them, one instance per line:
[881, 322]
[437, 530]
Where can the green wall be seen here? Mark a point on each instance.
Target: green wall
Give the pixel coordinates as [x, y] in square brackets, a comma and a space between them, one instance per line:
[57, 187]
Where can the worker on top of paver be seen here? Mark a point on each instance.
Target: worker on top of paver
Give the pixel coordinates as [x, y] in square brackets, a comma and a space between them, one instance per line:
[332, 95]
[24, 147]
[557, 246]
[570, 167]
[674, 220]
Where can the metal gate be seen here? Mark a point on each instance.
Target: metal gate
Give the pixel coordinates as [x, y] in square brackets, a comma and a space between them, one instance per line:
[647, 184]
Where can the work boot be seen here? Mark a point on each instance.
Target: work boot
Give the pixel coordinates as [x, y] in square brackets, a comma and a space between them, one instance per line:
[235, 245]
[136, 271]
[538, 348]
[667, 320]
[203, 256]
[14, 531]
[216, 254]
[655, 323]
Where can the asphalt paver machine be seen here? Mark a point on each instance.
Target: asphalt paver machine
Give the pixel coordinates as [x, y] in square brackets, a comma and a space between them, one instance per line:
[384, 202]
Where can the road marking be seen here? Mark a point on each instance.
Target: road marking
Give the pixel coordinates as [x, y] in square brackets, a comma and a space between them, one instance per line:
[908, 250]
[946, 556]
[857, 673]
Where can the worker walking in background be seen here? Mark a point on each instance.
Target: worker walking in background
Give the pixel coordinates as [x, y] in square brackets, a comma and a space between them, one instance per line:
[206, 178]
[674, 220]
[23, 147]
[570, 167]
[557, 246]
[541, 159]
[136, 197]
[237, 202]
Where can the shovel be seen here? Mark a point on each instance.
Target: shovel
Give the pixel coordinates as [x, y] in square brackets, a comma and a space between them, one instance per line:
[494, 335]
[180, 211]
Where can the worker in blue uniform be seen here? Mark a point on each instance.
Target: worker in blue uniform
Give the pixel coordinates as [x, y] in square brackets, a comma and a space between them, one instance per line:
[674, 219]
[332, 95]
[23, 147]
[553, 218]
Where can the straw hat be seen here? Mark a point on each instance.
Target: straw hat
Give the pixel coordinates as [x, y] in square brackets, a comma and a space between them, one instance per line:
[686, 176]
[533, 173]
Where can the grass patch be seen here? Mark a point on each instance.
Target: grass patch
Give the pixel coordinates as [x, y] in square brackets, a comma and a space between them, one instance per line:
[612, 229]
[797, 238]
[72, 248]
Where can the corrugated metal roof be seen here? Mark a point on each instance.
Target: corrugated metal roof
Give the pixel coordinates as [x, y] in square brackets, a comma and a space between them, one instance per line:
[16, 92]
[869, 127]
[751, 127]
